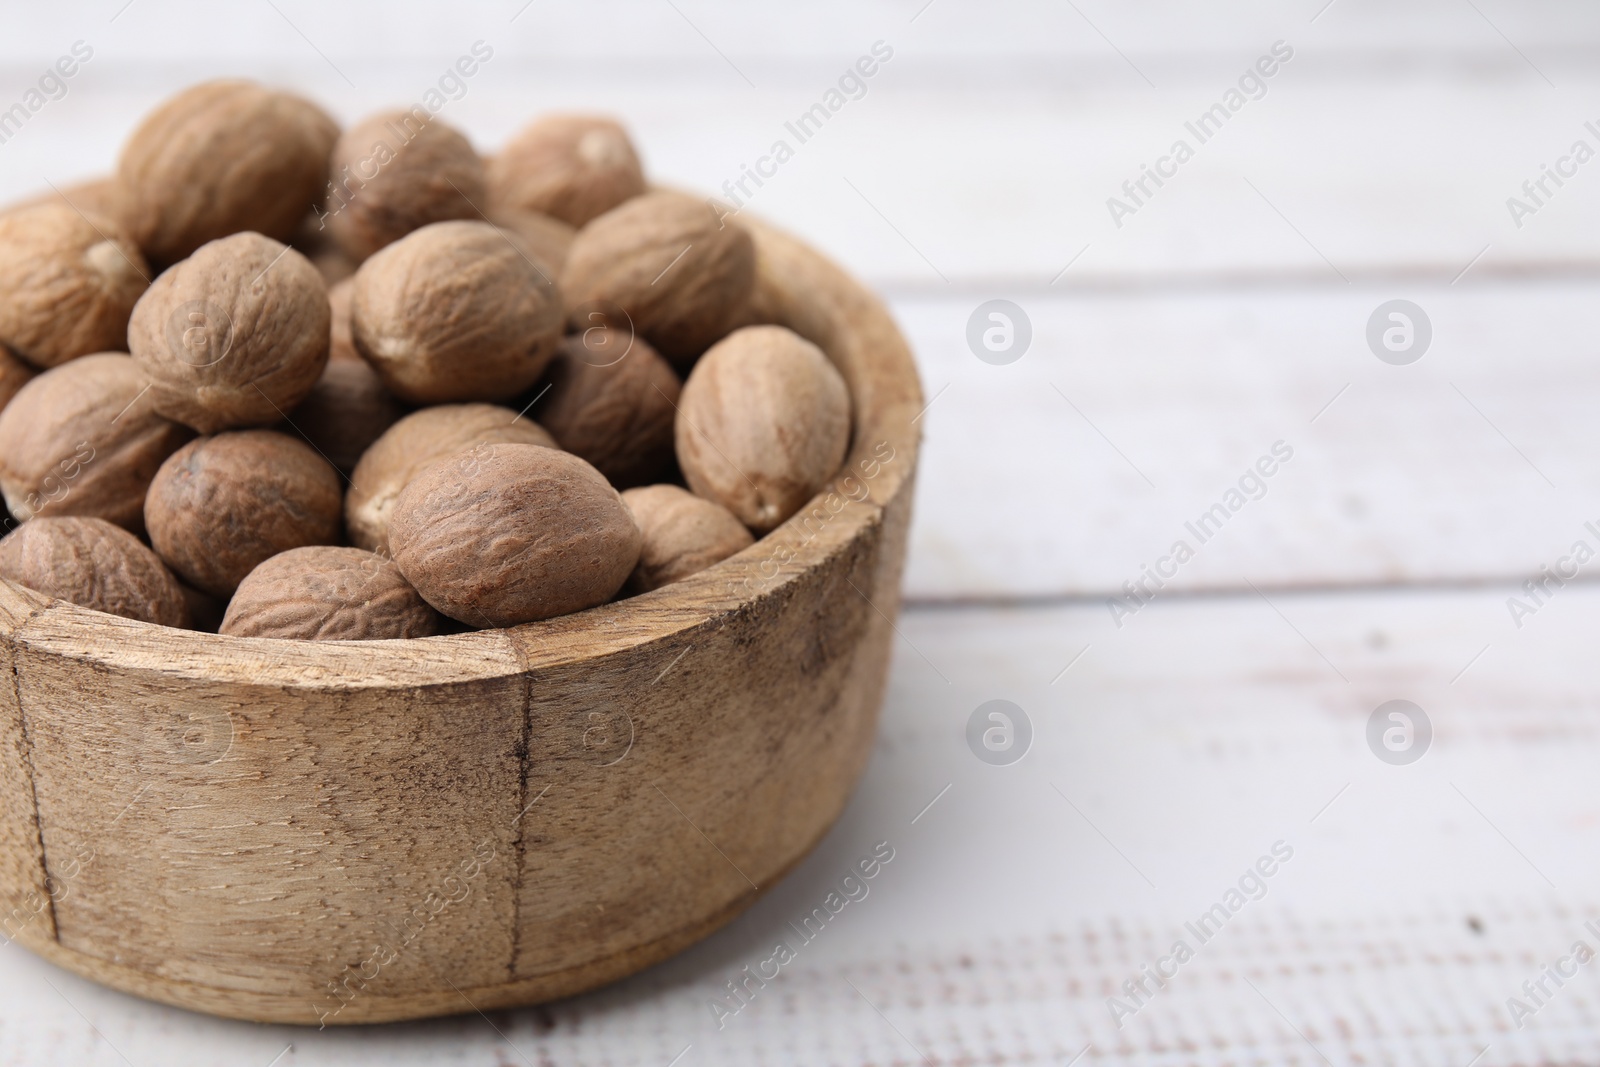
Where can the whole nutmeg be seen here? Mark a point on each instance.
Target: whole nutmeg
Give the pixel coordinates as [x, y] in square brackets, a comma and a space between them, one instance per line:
[611, 400]
[546, 239]
[574, 167]
[415, 443]
[324, 593]
[69, 282]
[683, 534]
[220, 158]
[84, 439]
[91, 563]
[455, 311]
[221, 505]
[763, 423]
[347, 410]
[395, 172]
[505, 534]
[681, 274]
[235, 335]
[14, 374]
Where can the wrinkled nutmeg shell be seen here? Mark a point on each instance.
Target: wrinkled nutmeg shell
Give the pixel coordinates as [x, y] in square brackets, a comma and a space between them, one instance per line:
[455, 311]
[506, 534]
[682, 275]
[324, 593]
[763, 423]
[84, 439]
[91, 563]
[683, 534]
[221, 158]
[395, 172]
[572, 167]
[612, 401]
[222, 505]
[415, 443]
[347, 410]
[69, 282]
[14, 374]
[235, 335]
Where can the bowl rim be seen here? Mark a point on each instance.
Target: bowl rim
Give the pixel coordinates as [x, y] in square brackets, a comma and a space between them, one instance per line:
[798, 287]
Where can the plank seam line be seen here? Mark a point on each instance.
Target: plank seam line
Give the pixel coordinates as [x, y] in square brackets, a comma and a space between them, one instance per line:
[519, 844]
[983, 601]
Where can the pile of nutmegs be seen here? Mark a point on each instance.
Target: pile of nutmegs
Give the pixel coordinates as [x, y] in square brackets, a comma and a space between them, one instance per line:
[290, 382]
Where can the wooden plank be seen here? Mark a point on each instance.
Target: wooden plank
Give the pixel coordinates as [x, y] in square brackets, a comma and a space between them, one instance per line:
[1036, 475]
[1340, 169]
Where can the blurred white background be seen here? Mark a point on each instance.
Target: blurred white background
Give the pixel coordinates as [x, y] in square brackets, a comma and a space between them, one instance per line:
[1227, 313]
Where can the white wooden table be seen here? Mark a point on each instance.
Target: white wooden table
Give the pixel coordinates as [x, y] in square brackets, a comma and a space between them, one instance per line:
[1228, 313]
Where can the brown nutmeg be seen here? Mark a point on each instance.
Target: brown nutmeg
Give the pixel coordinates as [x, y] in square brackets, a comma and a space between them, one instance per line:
[681, 274]
[84, 439]
[547, 240]
[69, 282]
[395, 172]
[221, 158]
[612, 401]
[415, 443]
[14, 374]
[683, 534]
[324, 593]
[91, 563]
[235, 335]
[347, 410]
[763, 423]
[221, 505]
[505, 534]
[455, 311]
[573, 167]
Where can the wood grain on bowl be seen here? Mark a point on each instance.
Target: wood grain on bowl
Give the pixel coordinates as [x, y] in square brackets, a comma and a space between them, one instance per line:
[332, 833]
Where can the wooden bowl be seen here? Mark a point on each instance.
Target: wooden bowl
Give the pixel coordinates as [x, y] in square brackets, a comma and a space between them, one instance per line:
[329, 833]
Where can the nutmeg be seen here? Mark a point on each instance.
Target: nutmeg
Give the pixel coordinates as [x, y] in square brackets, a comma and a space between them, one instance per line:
[84, 439]
[221, 158]
[455, 311]
[395, 172]
[683, 534]
[324, 593]
[347, 410]
[235, 335]
[505, 534]
[611, 401]
[221, 505]
[763, 423]
[14, 374]
[682, 275]
[69, 282]
[415, 443]
[574, 167]
[91, 563]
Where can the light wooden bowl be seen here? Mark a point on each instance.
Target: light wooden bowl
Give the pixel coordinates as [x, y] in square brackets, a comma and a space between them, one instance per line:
[347, 833]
